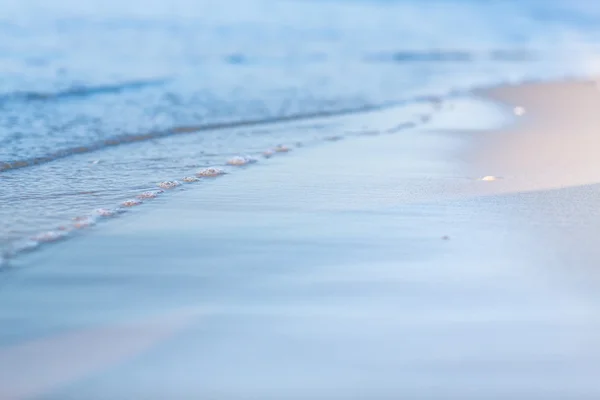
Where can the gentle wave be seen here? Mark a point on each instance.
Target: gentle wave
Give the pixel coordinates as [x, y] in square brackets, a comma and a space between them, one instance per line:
[452, 56]
[178, 130]
[72, 225]
[81, 91]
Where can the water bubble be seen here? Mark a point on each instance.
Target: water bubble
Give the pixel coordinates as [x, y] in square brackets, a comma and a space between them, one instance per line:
[169, 184]
[50, 236]
[268, 153]
[239, 160]
[84, 222]
[105, 212]
[131, 203]
[151, 194]
[209, 172]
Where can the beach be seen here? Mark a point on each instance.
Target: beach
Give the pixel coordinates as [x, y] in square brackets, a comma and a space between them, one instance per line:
[454, 259]
[100, 102]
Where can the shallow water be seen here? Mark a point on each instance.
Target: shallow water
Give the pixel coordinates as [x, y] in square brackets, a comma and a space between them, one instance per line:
[334, 288]
[101, 100]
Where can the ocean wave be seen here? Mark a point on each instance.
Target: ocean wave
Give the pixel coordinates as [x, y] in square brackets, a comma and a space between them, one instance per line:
[81, 91]
[178, 130]
[56, 224]
[452, 56]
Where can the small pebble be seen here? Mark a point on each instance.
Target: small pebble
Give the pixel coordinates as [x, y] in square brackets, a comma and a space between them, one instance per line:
[190, 179]
[281, 149]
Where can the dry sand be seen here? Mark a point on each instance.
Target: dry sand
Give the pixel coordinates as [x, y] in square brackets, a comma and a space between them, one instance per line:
[380, 267]
[554, 145]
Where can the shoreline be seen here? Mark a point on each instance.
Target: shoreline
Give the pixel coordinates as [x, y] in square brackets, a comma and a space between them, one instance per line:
[63, 225]
[381, 265]
[93, 203]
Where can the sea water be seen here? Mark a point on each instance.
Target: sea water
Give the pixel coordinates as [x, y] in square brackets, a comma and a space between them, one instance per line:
[104, 101]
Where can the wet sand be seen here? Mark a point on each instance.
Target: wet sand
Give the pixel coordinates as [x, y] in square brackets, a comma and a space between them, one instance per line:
[378, 267]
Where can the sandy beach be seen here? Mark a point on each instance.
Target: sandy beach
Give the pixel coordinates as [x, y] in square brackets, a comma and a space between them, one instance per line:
[456, 260]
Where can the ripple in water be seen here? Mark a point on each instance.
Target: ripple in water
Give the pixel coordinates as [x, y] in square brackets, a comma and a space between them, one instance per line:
[182, 157]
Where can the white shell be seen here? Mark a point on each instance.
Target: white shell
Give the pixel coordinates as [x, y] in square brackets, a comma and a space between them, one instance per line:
[489, 178]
